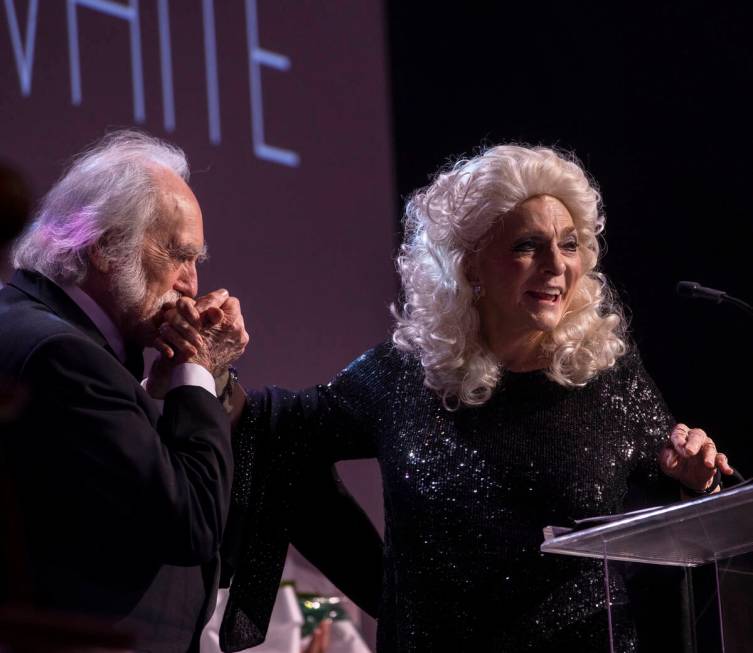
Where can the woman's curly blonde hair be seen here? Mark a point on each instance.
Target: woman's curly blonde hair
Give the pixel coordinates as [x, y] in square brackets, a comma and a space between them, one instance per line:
[446, 223]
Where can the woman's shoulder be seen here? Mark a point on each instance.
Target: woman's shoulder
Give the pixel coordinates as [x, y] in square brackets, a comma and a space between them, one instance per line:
[628, 366]
[628, 379]
[382, 364]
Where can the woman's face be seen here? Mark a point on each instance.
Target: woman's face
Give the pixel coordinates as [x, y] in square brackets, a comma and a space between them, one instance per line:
[529, 271]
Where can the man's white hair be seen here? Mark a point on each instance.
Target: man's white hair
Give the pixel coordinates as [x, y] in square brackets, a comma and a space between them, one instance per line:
[108, 197]
[447, 222]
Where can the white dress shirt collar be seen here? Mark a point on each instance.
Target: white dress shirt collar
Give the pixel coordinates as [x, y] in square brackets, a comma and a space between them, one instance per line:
[101, 320]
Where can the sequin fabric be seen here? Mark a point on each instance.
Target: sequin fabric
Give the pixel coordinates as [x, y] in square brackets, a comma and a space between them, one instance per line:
[468, 492]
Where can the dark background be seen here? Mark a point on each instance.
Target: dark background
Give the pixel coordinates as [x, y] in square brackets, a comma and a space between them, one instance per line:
[656, 101]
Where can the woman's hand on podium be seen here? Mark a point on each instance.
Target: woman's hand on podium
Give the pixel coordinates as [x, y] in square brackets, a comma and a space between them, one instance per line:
[690, 457]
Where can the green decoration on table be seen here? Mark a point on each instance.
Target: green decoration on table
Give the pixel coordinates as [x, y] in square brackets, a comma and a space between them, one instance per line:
[315, 608]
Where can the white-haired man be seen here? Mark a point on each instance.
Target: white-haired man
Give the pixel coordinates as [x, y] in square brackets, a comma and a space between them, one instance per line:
[117, 510]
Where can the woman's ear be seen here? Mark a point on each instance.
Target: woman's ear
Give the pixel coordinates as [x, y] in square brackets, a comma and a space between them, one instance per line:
[473, 276]
[471, 268]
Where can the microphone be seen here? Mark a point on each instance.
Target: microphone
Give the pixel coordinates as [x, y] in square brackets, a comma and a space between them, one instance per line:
[697, 291]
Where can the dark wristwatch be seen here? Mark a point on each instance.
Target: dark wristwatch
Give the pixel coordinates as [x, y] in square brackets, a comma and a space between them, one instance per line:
[715, 483]
[227, 391]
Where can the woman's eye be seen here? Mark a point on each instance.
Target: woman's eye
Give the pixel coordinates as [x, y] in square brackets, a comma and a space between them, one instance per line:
[570, 245]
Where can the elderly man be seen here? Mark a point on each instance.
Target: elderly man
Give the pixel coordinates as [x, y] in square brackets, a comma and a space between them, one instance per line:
[115, 510]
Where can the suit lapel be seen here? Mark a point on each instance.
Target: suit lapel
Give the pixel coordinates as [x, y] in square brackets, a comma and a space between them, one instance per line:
[41, 289]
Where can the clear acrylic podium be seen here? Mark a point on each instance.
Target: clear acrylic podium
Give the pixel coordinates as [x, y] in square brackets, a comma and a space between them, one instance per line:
[716, 530]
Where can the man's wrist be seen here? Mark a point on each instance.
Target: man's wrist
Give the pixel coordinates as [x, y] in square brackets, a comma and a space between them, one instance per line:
[192, 374]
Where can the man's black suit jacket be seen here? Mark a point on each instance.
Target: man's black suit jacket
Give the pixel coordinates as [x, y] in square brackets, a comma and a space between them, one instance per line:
[110, 510]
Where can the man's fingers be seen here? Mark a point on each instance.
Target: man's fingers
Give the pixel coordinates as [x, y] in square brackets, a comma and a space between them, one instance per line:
[187, 308]
[175, 340]
[176, 320]
[163, 348]
[187, 331]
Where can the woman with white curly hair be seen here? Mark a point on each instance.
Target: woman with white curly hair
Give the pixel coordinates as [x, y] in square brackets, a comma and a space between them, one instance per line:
[508, 398]
[499, 273]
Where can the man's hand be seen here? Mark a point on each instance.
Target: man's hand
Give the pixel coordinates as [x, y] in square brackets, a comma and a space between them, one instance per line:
[209, 331]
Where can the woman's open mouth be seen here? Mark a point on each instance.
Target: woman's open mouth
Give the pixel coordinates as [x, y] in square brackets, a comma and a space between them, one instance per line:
[548, 296]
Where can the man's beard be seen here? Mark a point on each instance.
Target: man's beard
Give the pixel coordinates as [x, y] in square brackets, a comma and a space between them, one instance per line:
[128, 288]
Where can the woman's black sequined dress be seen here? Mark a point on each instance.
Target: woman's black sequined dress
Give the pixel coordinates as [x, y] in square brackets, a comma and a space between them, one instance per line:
[467, 494]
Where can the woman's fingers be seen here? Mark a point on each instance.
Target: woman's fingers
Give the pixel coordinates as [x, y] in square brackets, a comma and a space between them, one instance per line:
[679, 437]
[697, 440]
[709, 453]
[691, 457]
[723, 463]
[669, 459]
